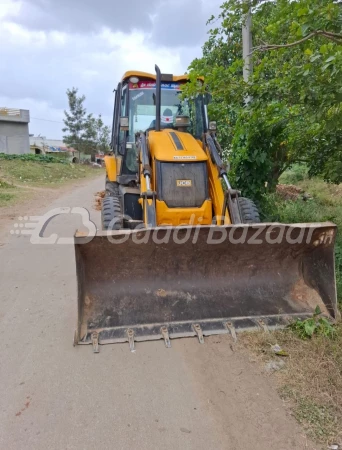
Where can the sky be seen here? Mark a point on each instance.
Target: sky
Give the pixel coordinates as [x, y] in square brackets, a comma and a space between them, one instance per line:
[48, 46]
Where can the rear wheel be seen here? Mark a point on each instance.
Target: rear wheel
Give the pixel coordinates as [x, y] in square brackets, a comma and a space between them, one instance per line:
[111, 213]
[249, 211]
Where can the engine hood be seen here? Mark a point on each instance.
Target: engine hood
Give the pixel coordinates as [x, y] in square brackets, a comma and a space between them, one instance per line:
[172, 145]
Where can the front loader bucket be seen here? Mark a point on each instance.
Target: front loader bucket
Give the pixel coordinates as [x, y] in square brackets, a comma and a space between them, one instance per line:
[162, 283]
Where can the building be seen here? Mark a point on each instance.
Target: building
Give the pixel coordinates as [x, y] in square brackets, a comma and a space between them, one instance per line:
[44, 146]
[14, 131]
[41, 145]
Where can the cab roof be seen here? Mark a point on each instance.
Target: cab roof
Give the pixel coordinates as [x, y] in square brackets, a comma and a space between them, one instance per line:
[152, 76]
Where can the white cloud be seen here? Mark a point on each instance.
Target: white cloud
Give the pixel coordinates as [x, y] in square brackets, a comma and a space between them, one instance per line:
[9, 8]
[49, 46]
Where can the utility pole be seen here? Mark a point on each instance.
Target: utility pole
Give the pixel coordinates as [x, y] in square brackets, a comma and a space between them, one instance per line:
[247, 45]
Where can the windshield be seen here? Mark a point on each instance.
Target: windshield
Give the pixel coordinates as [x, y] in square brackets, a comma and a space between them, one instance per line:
[142, 106]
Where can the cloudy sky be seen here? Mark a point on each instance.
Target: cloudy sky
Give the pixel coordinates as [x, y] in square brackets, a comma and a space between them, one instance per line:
[48, 46]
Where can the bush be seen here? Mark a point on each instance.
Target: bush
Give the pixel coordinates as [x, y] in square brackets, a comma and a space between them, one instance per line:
[315, 325]
[298, 172]
[35, 158]
[319, 209]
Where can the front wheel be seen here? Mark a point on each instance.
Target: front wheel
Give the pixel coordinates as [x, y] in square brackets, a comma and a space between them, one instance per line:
[111, 188]
[111, 214]
[248, 210]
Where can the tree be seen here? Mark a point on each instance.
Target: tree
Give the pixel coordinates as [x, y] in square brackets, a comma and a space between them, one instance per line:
[89, 136]
[102, 133]
[85, 132]
[296, 111]
[75, 120]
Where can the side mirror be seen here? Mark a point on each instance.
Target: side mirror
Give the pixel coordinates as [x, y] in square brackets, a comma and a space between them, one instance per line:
[182, 121]
[124, 123]
[212, 126]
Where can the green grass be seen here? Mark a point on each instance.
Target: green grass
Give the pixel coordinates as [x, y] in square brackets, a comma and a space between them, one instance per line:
[319, 420]
[36, 172]
[7, 193]
[298, 172]
[4, 185]
[325, 205]
[6, 198]
[41, 173]
[61, 158]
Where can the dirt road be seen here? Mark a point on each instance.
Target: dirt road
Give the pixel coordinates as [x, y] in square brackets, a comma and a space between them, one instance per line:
[54, 396]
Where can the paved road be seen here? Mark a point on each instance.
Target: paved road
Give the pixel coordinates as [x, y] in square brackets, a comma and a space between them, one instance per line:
[54, 396]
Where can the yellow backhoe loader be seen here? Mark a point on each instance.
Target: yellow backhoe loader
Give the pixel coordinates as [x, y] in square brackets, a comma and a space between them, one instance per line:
[182, 253]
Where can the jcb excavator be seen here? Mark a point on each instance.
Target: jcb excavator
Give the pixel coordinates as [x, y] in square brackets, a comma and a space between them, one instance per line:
[182, 253]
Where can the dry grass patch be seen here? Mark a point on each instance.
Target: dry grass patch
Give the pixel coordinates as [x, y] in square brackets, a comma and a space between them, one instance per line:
[289, 191]
[99, 196]
[310, 379]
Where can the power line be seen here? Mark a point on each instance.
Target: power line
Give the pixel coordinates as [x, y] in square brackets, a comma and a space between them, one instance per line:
[46, 120]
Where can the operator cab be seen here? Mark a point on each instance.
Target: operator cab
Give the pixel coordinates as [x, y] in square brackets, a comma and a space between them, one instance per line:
[136, 102]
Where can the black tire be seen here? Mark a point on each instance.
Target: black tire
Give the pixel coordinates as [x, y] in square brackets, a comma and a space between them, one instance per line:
[111, 213]
[249, 212]
[112, 188]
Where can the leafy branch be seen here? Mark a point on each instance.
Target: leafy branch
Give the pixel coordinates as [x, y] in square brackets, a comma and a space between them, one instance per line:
[337, 38]
[295, 114]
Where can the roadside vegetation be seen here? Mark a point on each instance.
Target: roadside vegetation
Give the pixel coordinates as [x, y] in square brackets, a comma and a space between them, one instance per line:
[281, 131]
[309, 377]
[317, 201]
[308, 367]
[19, 172]
[290, 109]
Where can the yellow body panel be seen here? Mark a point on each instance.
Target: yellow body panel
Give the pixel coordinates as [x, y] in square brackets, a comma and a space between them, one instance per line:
[163, 147]
[183, 216]
[142, 183]
[111, 168]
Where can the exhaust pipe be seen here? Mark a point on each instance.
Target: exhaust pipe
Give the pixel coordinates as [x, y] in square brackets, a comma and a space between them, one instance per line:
[158, 97]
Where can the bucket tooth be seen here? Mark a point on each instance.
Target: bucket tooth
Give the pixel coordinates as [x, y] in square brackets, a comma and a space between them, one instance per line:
[165, 333]
[232, 330]
[130, 334]
[75, 339]
[262, 325]
[198, 330]
[95, 342]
